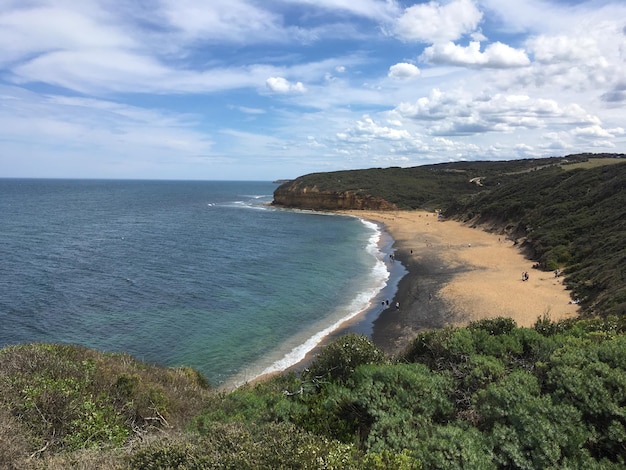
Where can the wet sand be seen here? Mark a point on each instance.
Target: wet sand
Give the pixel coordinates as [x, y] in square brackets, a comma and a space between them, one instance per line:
[457, 274]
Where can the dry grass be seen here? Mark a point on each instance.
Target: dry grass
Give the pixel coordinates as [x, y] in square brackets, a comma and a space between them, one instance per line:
[593, 163]
[65, 406]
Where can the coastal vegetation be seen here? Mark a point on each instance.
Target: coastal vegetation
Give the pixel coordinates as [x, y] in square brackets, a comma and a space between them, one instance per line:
[568, 213]
[490, 395]
[427, 187]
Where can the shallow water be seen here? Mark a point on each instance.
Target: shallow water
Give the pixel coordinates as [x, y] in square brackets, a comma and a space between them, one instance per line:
[203, 274]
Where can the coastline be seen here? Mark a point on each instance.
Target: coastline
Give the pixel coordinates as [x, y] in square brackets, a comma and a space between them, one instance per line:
[452, 274]
[458, 274]
[354, 314]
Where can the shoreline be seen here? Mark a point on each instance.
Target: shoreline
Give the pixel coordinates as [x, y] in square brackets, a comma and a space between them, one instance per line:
[357, 315]
[453, 274]
[458, 274]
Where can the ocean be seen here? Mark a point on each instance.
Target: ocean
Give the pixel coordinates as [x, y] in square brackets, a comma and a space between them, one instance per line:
[204, 274]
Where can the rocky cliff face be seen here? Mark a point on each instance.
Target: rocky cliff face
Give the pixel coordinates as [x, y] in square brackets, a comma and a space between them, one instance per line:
[310, 197]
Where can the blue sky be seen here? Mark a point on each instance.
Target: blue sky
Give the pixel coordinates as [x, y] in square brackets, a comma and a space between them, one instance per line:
[268, 89]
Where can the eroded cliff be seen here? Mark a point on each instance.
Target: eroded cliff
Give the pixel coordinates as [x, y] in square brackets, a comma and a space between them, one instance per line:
[294, 195]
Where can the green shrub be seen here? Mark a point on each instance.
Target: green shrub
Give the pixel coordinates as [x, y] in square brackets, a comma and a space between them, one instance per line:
[440, 349]
[277, 399]
[386, 460]
[493, 326]
[456, 446]
[480, 371]
[526, 429]
[341, 357]
[395, 406]
[593, 380]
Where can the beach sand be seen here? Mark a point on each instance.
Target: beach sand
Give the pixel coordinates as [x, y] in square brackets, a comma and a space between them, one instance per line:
[457, 274]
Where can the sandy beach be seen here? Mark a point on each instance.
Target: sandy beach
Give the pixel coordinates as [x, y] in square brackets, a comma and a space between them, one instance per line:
[457, 274]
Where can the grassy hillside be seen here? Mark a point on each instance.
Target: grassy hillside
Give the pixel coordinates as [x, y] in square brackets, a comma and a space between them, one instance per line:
[58, 399]
[434, 186]
[568, 212]
[489, 396]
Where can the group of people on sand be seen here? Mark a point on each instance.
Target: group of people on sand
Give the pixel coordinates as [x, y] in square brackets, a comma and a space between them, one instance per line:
[386, 304]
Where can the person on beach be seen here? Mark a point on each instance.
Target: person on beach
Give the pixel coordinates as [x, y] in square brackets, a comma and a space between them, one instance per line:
[397, 305]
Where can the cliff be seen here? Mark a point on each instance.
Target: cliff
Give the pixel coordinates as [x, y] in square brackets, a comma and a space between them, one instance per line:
[295, 195]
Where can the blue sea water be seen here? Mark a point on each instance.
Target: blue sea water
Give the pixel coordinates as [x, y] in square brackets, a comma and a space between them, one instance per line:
[204, 274]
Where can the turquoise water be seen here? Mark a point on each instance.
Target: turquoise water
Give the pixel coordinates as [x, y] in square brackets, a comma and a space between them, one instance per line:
[203, 274]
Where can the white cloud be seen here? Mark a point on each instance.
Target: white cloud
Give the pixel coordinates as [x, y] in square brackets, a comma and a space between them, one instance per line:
[403, 70]
[496, 55]
[432, 22]
[436, 106]
[366, 129]
[248, 110]
[561, 48]
[282, 85]
[457, 114]
[82, 70]
[552, 17]
[96, 136]
[237, 21]
[597, 131]
[36, 30]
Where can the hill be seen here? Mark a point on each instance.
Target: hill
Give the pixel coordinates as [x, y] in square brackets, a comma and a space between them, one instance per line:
[569, 213]
[490, 395]
[422, 187]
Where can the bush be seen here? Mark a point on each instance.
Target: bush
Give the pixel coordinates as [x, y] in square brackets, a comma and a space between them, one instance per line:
[269, 401]
[527, 429]
[456, 446]
[342, 356]
[493, 326]
[389, 460]
[14, 439]
[237, 446]
[68, 397]
[440, 348]
[395, 406]
[593, 380]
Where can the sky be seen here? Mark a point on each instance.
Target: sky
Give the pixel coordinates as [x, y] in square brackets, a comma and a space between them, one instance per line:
[274, 89]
